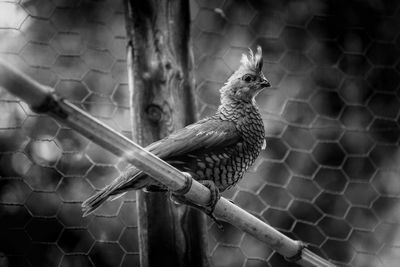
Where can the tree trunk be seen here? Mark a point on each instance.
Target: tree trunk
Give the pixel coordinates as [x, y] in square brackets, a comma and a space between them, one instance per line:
[162, 101]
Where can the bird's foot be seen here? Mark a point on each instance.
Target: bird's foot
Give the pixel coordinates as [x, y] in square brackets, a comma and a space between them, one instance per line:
[207, 209]
[214, 197]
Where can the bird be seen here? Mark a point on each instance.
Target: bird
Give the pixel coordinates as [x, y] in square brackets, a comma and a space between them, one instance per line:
[216, 151]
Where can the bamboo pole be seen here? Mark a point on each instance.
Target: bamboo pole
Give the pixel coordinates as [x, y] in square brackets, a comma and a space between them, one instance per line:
[44, 100]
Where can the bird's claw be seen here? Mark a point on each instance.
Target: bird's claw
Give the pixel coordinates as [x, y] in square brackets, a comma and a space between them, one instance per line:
[207, 209]
[214, 197]
[218, 223]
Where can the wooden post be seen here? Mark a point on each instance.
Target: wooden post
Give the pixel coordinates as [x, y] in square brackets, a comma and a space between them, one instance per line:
[162, 101]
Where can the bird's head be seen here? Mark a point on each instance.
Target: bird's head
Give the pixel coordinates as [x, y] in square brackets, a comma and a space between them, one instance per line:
[246, 82]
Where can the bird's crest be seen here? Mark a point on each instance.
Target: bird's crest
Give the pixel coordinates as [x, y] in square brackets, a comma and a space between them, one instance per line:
[250, 63]
[253, 61]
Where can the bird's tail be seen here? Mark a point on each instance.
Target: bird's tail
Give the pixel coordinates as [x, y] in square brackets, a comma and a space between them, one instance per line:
[132, 179]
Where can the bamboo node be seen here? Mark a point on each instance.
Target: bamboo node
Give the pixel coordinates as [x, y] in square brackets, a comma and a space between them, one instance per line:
[298, 256]
[187, 186]
[50, 104]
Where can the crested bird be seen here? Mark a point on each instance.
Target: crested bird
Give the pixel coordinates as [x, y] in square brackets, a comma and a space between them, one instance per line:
[216, 151]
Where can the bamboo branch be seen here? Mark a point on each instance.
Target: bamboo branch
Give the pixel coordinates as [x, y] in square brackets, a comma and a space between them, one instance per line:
[43, 99]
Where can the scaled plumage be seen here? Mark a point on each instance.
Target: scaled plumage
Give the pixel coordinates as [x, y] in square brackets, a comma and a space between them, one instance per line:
[219, 148]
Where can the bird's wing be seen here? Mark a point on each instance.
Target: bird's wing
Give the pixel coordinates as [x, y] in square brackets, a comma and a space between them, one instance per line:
[204, 135]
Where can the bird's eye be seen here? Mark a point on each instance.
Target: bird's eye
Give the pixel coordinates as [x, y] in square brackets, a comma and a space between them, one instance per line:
[247, 78]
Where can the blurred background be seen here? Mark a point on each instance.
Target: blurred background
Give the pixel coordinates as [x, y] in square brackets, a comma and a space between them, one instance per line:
[330, 173]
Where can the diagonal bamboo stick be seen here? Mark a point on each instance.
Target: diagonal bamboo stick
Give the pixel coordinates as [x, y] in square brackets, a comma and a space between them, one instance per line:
[43, 99]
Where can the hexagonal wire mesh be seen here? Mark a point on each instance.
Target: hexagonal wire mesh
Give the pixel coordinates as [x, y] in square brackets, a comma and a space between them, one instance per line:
[329, 176]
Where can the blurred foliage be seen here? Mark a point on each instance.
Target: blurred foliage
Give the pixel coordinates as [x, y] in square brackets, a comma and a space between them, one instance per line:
[328, 177]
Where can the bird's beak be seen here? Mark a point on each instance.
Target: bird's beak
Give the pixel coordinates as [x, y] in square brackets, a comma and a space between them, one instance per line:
[265, 84]
[262, 85]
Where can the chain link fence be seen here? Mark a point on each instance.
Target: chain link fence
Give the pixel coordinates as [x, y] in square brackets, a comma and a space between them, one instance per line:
[328, 177]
